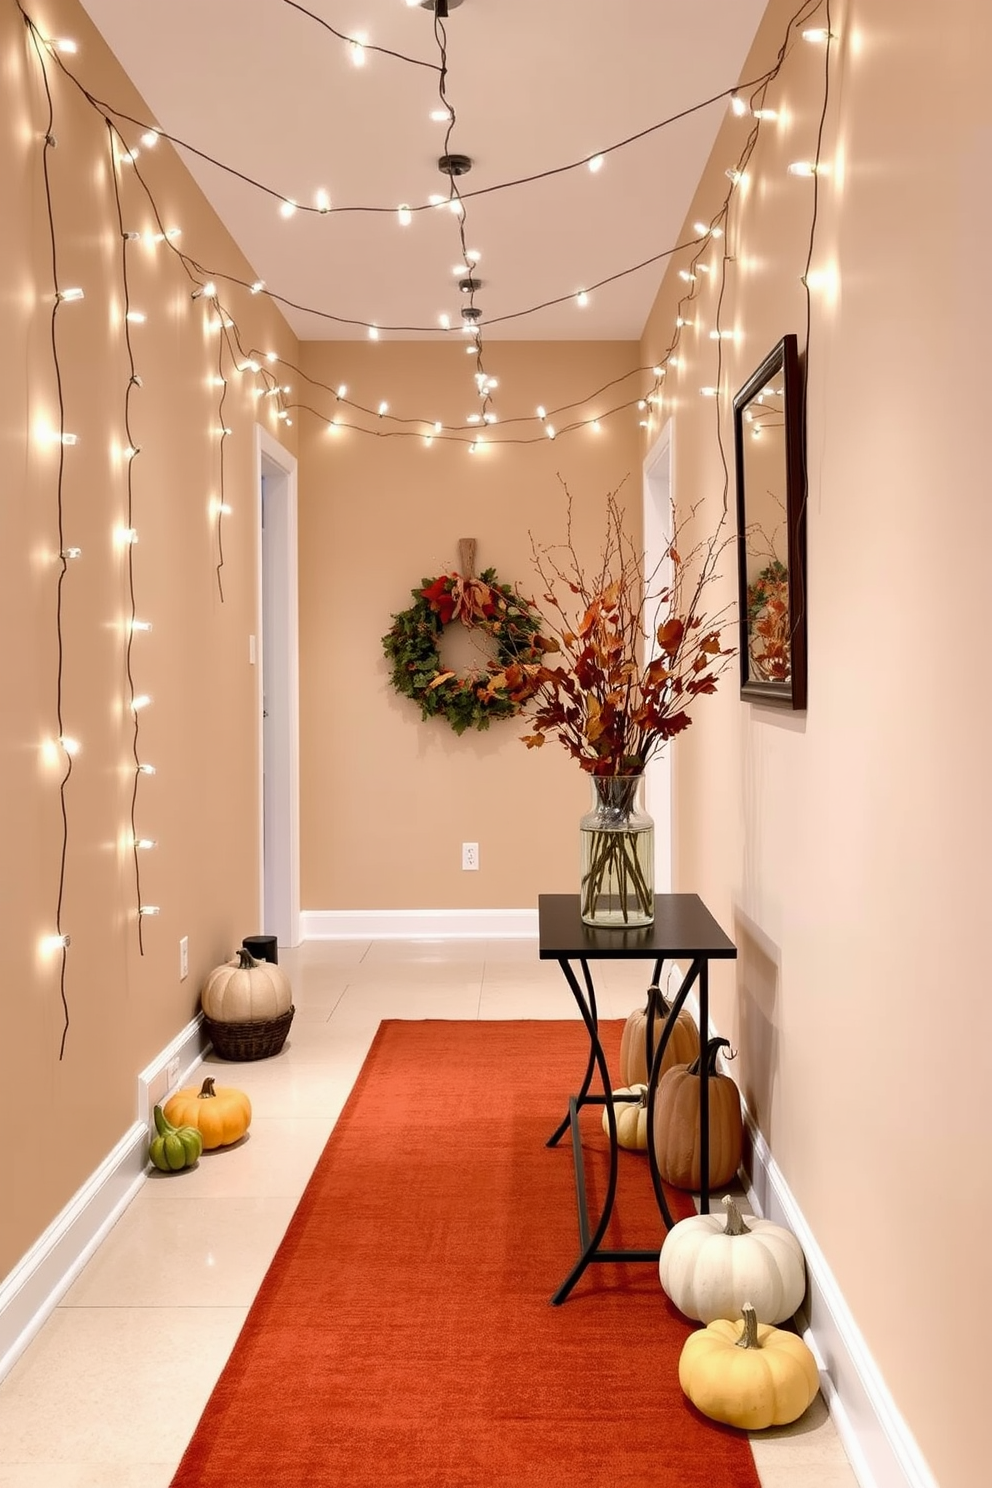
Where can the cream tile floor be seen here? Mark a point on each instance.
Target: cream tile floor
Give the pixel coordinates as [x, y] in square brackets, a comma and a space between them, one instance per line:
[110, 1391]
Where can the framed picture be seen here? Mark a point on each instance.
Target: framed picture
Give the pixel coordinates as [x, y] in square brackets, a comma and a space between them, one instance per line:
[769, 446]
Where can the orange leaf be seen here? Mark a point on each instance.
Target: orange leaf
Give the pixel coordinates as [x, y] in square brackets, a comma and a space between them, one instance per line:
[670, 635]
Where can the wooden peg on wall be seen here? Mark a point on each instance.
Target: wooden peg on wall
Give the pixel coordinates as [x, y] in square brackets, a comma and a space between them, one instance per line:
[466, 557]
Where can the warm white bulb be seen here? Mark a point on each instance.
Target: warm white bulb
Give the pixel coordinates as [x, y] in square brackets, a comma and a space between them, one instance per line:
[149, 139]
[67, 438]
[383, 408]
[74, 293]
[473, 418]
[766, 113]
[136, 317]
[734, 175]
[680, 321]
[144, 842]
[72, 552]
[373, 333]
[404, 214]
[358, 51]
[455, 206]
[54, 942]
[130, 451]
[439, 116]
[817, 33]
[673, 361]
[148, 909]
[322, 201]
[428, 440]
[258, 286]
[444, 321]
[435, 200]
[141, 625]
[146, 769]
[658, 371]
[70, 745]
[287, 209]
[173, 232]
[582, 298]
[708, 392]
[595, 426]
[437, 427]
[596, 163]
[489, 418]
[738, 105]
[342, 389]
[66, 44]
[141, 701]
[549, 429]
[541, 411]
[802, 168]
[127, 536]
[702, 228]
[271, 356]
[472, 448]
[473, 255]
[685, 274]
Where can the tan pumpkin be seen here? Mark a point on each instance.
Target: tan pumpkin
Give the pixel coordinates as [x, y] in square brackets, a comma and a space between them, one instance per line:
[682, 1046]
[632, 1119]
[747, 1373]
[246, 991]
[220, 1113]
[677, 1142]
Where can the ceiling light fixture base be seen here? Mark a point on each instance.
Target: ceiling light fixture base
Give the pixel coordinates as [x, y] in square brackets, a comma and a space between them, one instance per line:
[454, 165]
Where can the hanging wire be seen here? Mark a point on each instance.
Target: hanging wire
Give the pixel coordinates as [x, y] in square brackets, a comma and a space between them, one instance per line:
[49, 144]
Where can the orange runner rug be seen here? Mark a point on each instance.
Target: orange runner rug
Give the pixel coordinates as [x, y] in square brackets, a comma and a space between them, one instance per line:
[403, 1336]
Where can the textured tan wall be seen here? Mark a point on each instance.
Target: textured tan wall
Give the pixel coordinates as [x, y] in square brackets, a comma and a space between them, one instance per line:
[388, 799]
[201, 805]
[846, 848]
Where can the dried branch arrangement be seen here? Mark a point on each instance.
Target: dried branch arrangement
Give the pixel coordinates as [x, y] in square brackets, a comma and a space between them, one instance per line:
[633, 650]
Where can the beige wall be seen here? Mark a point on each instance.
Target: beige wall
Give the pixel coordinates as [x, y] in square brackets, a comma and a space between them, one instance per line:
[846, 848]
[387, 798]
[201, 805]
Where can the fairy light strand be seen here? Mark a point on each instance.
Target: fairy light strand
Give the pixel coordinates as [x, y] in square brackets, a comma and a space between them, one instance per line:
[114, 137]
[48, 144]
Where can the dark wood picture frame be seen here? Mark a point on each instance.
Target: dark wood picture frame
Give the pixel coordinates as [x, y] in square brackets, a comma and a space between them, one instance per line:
[772, 599]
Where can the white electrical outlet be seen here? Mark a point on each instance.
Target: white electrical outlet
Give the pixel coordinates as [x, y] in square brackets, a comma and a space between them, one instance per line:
[470, 857]
[184, 958]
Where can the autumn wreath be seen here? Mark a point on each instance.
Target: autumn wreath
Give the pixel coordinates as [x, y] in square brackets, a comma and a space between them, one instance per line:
[471, 699]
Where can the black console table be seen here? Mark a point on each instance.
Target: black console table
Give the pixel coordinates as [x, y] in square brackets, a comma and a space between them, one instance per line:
[683, 929]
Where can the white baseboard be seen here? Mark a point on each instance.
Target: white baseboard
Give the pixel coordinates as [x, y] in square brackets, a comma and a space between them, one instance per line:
[41, 1278]
[880, 1446]
[33, 1289]
[171, 1067]
[882, 1450]
[417, 924]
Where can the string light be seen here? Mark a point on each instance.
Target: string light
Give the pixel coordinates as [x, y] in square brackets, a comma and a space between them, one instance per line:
[738, 105]
[404, 215]
[287, 208]
[74, 293]
[70, 553]
[51, 943]
[258, 286]
[141, 701]
[322, 202]
[358, 50]
[596, 163]
[803, 168]
[582, 299]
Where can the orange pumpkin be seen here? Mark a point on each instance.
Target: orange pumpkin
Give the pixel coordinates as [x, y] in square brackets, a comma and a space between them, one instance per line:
[677, 1141]
[682, 1046]
[220, 1113]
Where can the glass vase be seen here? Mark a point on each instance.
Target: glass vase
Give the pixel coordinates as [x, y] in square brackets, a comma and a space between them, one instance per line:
[617, 846]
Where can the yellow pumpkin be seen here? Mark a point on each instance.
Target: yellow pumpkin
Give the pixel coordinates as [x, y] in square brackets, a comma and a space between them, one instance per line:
[682, 1046]
[632, 1118]
[246, 991]
[220, 1113]
[677, 1136]
[748, 1374]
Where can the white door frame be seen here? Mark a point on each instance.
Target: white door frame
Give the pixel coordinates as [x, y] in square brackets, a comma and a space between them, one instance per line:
[657, 517]
[277, 610]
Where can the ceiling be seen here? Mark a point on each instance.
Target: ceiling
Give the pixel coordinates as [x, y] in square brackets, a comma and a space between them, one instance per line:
[266, 90]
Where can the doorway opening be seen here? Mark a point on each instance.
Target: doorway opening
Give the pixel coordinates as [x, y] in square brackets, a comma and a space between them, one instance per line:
[277, 657]
[658, 775]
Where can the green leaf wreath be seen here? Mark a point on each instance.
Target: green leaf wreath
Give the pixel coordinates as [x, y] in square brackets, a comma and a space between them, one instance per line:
[475, 698]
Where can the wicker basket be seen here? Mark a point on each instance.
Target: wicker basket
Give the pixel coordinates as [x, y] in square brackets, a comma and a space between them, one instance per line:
[241, 1041]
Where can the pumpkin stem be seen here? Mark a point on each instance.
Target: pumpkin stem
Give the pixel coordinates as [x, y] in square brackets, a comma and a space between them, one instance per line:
[735, 1219]
[712, 1049]
[207, 1088]
[749, 1337]
[246, 960]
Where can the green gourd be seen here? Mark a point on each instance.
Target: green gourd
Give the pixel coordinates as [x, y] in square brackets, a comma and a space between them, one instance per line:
[175, 1147]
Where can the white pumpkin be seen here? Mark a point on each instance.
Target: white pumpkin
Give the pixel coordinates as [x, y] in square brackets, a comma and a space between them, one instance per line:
[632, 1118]
[246, 991]
[710, 1268]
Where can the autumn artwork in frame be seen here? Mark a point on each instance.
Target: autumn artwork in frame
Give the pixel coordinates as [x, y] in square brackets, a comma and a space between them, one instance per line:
[769, 445]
